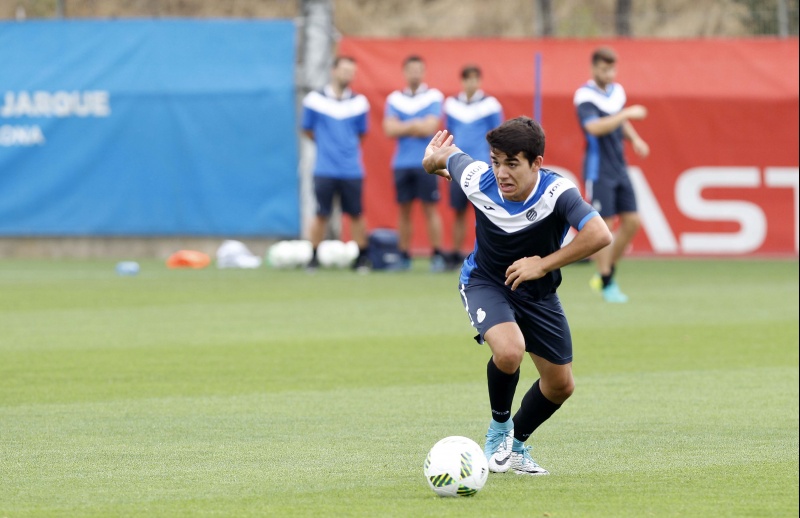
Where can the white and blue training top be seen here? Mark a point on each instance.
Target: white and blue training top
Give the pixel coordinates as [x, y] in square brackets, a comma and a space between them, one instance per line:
[337, 125]
[405, 105]
[506, 231]
[471, 119]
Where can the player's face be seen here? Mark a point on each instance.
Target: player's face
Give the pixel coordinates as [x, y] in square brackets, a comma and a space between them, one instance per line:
[516, 177]
[344, 73]
[471, 84]
[604, 73]
[414, 72]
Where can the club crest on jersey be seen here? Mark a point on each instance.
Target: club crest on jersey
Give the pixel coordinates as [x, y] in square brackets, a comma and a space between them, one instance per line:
[531, 215]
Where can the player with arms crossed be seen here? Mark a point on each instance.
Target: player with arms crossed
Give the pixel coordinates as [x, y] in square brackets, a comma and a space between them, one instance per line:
[508, 283]
[470, 115]
[412, 117]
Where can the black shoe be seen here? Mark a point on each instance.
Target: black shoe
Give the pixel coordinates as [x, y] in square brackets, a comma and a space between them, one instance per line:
[362, 265]
[312, 265]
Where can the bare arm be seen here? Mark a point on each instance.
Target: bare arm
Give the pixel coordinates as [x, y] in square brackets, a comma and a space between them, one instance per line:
[640, 147]
[425, 126]
[422, 127]
[605, 125]
[592, 237]
[394, 127]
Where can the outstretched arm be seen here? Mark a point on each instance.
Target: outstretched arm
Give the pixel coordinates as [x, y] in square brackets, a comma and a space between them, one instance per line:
[640, 147]
[605, 125]
[439, 149]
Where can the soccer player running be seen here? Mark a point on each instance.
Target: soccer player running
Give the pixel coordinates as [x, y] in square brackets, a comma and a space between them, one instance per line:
[336, 119]
[605, 122]
[412, 117]
[508, 283]
[470, 115]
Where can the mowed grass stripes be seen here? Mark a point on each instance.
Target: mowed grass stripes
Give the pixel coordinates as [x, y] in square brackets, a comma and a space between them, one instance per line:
[253, 393]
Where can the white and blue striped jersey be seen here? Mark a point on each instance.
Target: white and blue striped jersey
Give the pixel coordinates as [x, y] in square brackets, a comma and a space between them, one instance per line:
[470, 120]
[605, 155]
[405, 106]
[337, 125]
[506, 231]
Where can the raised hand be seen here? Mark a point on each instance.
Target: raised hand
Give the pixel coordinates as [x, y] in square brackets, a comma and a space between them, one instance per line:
[436, 153]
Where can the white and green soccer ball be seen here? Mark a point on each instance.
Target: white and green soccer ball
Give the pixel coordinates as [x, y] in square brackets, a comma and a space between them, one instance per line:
[456, 466]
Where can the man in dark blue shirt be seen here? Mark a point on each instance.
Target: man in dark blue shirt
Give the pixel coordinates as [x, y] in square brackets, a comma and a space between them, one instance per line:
[508, 283]
[605, 123]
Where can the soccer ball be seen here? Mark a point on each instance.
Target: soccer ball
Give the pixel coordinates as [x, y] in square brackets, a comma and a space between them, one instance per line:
[279, 255]
[456, 466]
[289, 254]
[333, 253]
[300, 252]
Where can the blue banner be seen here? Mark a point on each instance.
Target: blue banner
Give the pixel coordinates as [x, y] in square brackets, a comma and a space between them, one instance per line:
[145, 128]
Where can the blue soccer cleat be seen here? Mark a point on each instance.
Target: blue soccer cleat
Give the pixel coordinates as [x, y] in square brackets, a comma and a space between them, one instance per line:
[612, 293]
[438, 263]
[498, 449]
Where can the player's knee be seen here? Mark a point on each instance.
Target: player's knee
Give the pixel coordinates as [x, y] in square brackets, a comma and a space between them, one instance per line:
[509, 358]
[563, 389]
[633, 222]
[567, 388]
[560, 389]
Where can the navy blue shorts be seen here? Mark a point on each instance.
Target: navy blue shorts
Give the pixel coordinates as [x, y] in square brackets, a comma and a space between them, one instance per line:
[611, 196]
[543, 322]
[349, 192]
[458, 200]
[414, 183]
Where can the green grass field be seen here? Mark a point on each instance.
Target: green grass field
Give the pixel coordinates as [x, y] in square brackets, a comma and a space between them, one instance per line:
[255, 393]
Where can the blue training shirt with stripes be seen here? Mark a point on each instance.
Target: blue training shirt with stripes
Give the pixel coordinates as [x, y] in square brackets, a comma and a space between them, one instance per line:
[405, 105]
[471, 119]
[338, 124]
[506, 231]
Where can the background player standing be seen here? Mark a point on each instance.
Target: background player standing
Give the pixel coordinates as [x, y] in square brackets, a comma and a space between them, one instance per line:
[412, 117]
[336, 119]
[605, 123]
[470, 115]
[508, 283]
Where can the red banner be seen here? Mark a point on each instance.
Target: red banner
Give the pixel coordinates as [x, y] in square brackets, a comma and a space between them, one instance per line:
[722, 175]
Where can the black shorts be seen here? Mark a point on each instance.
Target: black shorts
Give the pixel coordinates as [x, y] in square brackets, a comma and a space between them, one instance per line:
[349, 192]
[611, 196]
[458, 200]
[543, 322]
[414, 183]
